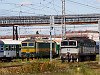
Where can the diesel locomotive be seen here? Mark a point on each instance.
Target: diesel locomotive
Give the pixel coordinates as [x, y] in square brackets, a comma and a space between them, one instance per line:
[78, 49]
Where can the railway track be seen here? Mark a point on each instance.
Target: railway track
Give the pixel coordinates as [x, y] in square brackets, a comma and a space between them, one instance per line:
[93, 65]
[12, 66]
[10, 70]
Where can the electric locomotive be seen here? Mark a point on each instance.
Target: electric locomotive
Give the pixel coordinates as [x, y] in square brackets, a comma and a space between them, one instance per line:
[78, 49]
[37, 48]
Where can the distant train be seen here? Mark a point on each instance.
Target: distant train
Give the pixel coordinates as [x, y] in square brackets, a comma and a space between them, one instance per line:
[78, 49]
[9, 49]
[38, 48]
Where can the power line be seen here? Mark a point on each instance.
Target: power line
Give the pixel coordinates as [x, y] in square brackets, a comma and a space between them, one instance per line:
[28, 28]
[40, 6]
[83, 4]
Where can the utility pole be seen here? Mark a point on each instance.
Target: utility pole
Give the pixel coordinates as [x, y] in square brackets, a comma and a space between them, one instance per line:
[19, 32]
[20, 18]
[63, 20]
[99, 39]
[15, 32]
[51, 28]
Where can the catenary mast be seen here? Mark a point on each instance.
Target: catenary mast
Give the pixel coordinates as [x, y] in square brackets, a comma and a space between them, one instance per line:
[63, 20]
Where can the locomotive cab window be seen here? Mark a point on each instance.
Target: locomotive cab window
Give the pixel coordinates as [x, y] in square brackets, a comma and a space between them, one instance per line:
[31, 44]
[72, 43]
[64, 43]
[24, 44]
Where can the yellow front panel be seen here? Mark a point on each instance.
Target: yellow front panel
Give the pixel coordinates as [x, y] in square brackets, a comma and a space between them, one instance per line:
[28, 50]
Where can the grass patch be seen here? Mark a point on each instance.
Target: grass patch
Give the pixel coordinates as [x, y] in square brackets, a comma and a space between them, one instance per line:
[44, 67]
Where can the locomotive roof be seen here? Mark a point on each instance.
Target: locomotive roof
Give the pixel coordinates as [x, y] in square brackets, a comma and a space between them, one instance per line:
[36, 40]
[81, 39]
[9, 41]
[29, 40]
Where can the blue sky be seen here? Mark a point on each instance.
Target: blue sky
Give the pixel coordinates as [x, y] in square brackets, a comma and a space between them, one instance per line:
[47, 7]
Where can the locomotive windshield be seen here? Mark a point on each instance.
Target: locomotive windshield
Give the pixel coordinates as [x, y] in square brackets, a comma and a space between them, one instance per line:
[64, 43]
[68, 43]
[24, 44]
[31, 44]
[72, 43]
